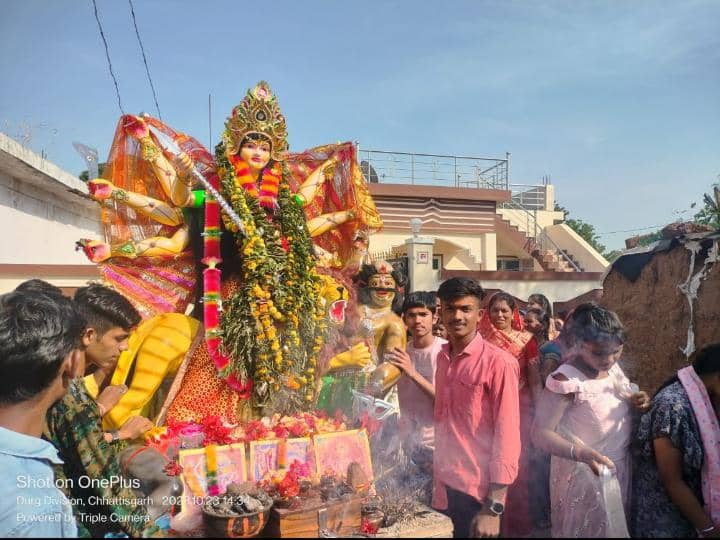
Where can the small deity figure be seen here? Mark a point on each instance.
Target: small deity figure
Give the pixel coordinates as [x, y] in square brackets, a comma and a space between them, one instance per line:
[379, 295]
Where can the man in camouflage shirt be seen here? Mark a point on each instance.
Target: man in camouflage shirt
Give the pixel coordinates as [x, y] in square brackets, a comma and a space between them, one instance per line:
[103, 500]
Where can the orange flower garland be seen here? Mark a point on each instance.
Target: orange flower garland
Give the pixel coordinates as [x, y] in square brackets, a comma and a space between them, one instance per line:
[269, 185]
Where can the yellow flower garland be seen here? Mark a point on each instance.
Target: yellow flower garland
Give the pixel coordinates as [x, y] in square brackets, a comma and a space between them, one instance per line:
[263, 334]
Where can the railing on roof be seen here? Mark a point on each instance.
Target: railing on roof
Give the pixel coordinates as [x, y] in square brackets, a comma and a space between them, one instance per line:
[384, 167]
[529, 196]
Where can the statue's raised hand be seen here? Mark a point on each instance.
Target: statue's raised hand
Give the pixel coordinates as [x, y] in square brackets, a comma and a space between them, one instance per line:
[100, 189]
[136, 127]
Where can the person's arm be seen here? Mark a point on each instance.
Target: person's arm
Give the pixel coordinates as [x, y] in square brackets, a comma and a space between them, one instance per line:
[503, 466]
[534, 379]
[486, 524]
[548, 364]
[401, 359]
[548, 414]
[75, 428]
[110, 397]
[669, 464]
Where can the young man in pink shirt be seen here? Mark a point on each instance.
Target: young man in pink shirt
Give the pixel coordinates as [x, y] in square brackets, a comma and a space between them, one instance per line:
[416, 387]
[477, 418]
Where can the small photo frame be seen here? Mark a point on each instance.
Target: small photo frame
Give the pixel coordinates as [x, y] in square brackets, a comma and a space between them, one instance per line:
[263, 458]
[335, 451]
[230, 468]
[423, 257]
[300, 450]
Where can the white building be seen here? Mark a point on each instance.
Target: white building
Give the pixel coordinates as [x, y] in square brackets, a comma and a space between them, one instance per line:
[43, 212]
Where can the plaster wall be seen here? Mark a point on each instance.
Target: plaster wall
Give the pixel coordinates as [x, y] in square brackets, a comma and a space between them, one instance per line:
[556, 291]
[41, 227]
[525, 223]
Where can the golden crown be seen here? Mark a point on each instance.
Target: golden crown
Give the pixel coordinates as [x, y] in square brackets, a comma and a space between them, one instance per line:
[258, 113]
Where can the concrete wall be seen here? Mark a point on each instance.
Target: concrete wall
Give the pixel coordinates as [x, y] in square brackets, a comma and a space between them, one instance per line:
[459, 251]
[41, 226]
[567, 239]
[525, 223]
[41, 218]
[556, 291]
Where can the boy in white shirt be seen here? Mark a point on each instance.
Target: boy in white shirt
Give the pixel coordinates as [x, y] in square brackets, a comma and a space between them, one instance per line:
[416, 387]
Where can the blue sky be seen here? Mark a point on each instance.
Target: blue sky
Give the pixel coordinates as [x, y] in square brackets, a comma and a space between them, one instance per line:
[619, 102]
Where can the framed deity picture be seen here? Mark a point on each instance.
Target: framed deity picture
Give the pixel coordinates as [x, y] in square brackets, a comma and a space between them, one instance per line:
[263, 458]
[423, 257]
[335, 451]
[300, 450]
[231, 467]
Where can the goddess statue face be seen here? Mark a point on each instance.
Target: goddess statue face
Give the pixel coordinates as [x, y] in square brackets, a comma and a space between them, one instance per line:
[256, 153]
[382, 290]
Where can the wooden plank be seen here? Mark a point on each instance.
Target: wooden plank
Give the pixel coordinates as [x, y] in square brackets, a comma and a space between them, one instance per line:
[343, 518]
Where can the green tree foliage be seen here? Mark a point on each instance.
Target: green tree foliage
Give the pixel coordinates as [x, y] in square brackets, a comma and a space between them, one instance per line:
[709, 214]
[84, 175]
[585, 230]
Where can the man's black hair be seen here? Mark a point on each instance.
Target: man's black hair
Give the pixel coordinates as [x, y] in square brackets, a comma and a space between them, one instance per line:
[40, 286]
[457, 287]
[706, 361]
[420, 299]
[37, 332]
[104, 308]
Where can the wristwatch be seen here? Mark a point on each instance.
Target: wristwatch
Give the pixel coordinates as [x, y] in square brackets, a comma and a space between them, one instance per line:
[496, 507]
[114, 436]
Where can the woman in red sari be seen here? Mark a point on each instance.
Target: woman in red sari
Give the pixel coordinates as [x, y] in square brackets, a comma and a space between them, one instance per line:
[502, 325]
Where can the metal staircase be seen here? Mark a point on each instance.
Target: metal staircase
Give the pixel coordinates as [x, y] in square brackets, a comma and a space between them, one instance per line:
[538, 245]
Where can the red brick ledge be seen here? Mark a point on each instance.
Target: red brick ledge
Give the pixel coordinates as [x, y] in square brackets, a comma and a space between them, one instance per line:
[418, 191]
[54, 270]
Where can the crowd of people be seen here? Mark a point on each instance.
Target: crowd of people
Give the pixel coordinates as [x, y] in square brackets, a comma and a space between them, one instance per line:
[537, 427]
[527, 422]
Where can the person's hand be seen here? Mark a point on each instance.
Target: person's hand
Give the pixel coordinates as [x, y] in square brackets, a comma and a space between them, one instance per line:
[110, 397]
[485, 524]
[134, 427]
[593, 458]
[401, 359]
[641, 401]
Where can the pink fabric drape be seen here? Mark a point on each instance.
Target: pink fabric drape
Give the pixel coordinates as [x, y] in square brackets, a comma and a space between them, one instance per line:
[710, 434]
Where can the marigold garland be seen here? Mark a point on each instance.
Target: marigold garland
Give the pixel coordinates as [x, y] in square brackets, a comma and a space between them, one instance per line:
[261, 343]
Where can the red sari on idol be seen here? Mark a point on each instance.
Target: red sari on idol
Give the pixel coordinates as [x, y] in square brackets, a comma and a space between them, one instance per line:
[518, 342]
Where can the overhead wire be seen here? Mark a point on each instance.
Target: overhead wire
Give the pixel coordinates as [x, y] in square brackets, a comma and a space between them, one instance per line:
[632, 230]
[142, 49]
[107, 55]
